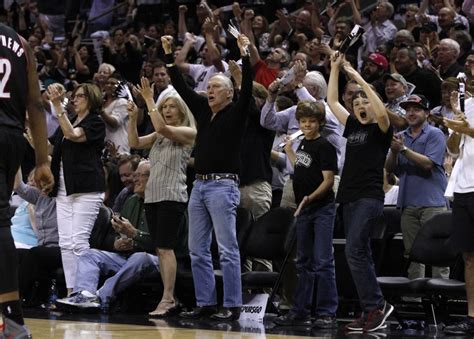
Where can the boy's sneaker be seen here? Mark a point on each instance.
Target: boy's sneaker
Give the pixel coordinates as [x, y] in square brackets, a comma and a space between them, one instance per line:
[325, 322]
[376, 318]
[14, 330]
[464, 327]
[291, 319]
[83, 299]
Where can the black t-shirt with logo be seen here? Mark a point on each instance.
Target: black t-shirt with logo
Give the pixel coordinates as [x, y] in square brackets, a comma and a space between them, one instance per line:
[313, 157]
[366, 150]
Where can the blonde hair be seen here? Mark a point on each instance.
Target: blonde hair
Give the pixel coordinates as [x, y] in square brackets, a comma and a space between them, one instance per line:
[187, 118]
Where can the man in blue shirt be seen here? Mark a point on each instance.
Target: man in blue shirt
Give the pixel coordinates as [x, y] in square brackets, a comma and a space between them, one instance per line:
[416, 156]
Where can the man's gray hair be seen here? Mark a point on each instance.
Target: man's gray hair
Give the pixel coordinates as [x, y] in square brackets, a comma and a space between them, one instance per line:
[315, 78]
[452, 44]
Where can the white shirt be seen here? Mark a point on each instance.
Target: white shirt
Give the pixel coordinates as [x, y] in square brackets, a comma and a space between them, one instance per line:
[201, 74]
[119, 134]
[462, 176]
[376, 35]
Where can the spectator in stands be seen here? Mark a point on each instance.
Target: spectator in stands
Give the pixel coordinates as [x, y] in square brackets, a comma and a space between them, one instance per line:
[397, 91]
[114, 114]
[210, 54]
[166, 195]
[215, 194]
[426, 82]
[315, 164]
[469, 71]
[375, 67]
[119, 52]
[416, 157]
[380, 29]
[45, 257]
[129, 262]
[464, 40]
[448, 86]
[361, 189]
[127, 165]
[446, 59]
[161, 82]
[461, 188]
[307, 86]
[349, 89]
[103, 73]
[77, 169]
[429, 37]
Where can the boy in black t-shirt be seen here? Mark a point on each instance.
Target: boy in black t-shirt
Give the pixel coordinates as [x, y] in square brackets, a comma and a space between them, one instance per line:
[315, 164]
[369, 134]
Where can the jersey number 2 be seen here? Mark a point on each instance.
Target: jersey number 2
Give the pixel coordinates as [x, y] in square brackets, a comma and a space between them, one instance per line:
[5, 72]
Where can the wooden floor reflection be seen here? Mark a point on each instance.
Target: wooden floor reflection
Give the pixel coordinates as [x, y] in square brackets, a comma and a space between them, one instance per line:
[60, 329]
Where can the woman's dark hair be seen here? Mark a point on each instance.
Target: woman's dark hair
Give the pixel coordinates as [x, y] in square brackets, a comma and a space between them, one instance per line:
[93, 95]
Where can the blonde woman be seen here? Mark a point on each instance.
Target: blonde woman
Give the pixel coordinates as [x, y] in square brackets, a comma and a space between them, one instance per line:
[165, 194]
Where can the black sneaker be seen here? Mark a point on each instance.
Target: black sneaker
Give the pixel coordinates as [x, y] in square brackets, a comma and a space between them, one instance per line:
[376, 318]
[227, 314]
[464, 327]
[292, 319]
[199, 312]
[325, 322]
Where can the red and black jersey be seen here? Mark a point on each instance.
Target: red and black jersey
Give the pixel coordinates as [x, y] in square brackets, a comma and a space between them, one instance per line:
[13, 79]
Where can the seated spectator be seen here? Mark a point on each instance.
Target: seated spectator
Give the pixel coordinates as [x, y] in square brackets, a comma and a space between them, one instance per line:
[45, 257]
[127, 165]
[426, 82]
[446, 59]
[128, 263]
[444, 110]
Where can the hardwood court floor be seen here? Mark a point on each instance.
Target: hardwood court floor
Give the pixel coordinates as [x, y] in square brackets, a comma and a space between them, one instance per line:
[63, 325]
[45, 328]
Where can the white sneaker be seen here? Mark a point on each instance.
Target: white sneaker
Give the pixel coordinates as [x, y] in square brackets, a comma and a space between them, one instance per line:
[83, 299]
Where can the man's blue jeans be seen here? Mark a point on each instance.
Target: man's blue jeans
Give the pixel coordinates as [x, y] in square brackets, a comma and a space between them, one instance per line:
[360, 218]
[126, 271]
[213, 205]
[315, 262]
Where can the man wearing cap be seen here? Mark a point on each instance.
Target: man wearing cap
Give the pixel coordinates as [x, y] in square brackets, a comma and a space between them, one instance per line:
[426, 82]
[397, 91]
[416, 156]
[373, 71]
[429, 35]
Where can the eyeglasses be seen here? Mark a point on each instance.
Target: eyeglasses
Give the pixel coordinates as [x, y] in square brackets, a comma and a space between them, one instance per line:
[78, 95]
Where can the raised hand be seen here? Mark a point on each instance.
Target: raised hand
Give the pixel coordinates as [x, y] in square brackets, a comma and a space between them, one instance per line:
[167, 42]
[236, 72]
[55, 94]
[243, 42]
[132, 110]
[145, 89]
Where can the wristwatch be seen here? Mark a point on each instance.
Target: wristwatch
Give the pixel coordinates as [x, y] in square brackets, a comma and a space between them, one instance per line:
[404, 149]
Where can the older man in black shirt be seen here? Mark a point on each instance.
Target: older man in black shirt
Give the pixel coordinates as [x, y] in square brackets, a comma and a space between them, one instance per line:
[215, 195]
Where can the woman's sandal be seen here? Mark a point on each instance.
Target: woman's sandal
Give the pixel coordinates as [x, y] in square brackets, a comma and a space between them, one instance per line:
[163, 309]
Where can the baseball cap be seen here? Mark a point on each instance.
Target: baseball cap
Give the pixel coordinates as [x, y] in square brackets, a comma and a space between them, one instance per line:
[417, 99]
[429, 27]
[379, 60]
[396, 77]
